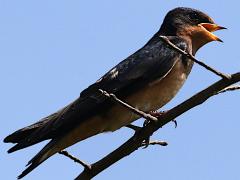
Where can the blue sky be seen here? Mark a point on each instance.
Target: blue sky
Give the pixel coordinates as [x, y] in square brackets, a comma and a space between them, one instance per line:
[51, 50]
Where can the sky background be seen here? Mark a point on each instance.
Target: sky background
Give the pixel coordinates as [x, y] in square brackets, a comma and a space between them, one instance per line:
[51, 50]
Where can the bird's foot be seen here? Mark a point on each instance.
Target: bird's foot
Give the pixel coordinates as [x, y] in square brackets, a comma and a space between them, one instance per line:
[137, 129]
[158, 114]
[175, 123]
[146, 142]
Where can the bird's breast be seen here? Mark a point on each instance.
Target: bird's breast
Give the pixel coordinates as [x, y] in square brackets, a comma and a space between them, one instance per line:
[152, 97]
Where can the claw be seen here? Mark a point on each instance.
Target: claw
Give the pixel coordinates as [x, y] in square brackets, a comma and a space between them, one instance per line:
[175, 123]
[157, 114]
[146, 122]
[146, 142]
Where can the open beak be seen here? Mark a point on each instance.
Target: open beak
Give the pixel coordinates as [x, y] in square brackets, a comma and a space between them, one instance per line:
[211, 28]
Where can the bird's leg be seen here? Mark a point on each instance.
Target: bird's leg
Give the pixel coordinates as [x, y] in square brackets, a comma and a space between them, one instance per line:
[154, 114]
[175, 123]
[158, 114]
[147, 141]
[137, 129]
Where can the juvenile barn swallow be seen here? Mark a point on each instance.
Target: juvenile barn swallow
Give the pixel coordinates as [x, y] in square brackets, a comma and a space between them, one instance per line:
[147, 79]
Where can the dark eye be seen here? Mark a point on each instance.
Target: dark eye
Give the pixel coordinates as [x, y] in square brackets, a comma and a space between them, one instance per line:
[194, 16]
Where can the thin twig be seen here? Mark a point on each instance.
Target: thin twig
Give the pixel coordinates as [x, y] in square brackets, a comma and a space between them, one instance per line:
[85, 165]
[156, 142]
[134, 110]
[133, 127]
[190, 56]
[229, 88]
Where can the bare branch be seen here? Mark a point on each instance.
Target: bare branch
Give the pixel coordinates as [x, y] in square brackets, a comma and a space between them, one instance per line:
[65, 153]
[190, 56]
[136, 140]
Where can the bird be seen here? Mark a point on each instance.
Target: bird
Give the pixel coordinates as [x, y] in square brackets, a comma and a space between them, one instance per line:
[148, 79]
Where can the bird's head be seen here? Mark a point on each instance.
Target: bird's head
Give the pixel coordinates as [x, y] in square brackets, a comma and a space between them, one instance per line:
[190, 24]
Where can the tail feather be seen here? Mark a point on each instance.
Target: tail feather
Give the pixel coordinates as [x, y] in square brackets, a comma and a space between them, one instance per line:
[16, 147]
[21, 134]
[29, 135]
[43, 155]
[28, 170]
[42, 130]
[18, 135]
[22, 145]
[23, 137]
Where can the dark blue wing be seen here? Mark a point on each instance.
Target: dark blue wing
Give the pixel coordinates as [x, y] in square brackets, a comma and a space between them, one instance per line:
[153, 61]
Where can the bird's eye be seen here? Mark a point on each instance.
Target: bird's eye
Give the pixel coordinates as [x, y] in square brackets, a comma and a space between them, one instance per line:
[193, 16]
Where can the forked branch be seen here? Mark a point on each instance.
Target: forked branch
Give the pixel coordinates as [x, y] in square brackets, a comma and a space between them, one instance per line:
[136, 141]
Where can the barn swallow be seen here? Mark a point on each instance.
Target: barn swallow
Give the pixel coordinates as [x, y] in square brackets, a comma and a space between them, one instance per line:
[147, 79]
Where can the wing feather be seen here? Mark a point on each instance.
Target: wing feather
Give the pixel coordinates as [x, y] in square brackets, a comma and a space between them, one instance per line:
[151, 62]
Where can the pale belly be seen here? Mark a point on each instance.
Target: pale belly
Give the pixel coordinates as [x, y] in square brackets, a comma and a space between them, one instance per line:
[152, 97]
